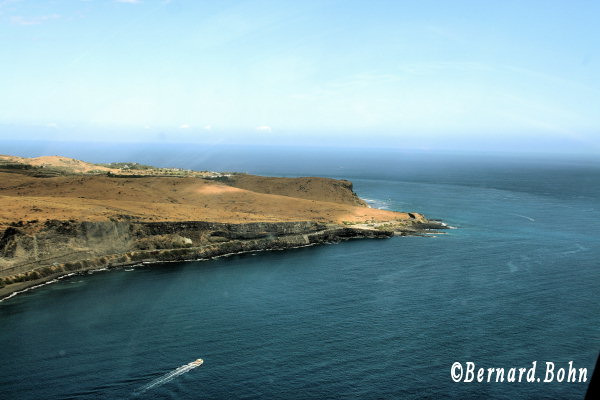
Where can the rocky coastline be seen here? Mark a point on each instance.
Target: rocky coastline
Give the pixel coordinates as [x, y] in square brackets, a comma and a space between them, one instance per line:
[62, 216]
[43, 252]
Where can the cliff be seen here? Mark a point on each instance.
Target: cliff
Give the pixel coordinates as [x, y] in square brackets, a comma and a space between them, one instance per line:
[40, 252]
[55, 224]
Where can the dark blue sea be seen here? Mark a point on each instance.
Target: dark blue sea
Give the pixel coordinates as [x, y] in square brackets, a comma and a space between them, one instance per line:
[518, 281]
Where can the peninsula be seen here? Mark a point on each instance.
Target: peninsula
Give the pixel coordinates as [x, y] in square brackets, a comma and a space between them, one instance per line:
[60, 215]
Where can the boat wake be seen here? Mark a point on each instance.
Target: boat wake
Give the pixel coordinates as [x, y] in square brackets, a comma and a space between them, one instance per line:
[525, 216]
[161, 380]
[577, 250]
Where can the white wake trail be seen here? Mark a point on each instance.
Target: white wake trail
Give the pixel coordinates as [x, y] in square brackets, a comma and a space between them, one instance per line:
[525, 216]
[169, 376]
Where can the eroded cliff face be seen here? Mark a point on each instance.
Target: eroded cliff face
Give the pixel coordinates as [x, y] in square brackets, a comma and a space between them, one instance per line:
[31, 253]
[24, 246]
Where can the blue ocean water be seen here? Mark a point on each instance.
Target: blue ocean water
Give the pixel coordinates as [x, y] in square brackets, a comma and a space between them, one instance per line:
[517, 282]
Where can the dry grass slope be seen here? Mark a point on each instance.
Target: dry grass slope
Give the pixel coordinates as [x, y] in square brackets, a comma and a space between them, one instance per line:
[240, 198]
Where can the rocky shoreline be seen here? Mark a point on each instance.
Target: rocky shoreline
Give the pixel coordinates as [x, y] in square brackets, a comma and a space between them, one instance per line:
[50, 250]
[62, 216]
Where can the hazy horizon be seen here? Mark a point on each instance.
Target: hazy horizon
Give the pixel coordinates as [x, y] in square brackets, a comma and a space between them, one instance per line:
[464, 75]
[304, 159]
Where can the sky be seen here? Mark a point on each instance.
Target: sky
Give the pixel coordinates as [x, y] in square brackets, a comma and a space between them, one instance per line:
[414, 74]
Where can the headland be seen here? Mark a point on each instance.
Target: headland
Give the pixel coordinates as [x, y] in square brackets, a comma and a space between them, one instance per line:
[60, 216]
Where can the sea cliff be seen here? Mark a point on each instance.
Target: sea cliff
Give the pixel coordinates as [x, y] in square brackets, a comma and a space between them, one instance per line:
[58, 248]
[71, 217]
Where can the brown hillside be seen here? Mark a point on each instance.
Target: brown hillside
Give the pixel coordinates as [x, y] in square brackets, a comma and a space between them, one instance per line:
[26, 198]
[310, 188]
[70, 164]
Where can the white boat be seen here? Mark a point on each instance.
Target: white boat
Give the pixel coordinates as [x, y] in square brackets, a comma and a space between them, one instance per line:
[196, 363]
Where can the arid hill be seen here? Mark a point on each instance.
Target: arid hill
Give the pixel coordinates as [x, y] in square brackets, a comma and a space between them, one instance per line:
[310, 188]
[46, 166]
[96, 197]
[69, 164]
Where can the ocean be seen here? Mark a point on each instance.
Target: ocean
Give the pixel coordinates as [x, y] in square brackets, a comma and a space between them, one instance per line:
[516, 282]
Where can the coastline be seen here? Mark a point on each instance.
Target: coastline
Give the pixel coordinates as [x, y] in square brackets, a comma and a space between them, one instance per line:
[60, 216]
[45, 274]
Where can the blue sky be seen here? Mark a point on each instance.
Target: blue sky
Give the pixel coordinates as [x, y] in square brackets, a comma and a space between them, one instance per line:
[422, 74]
